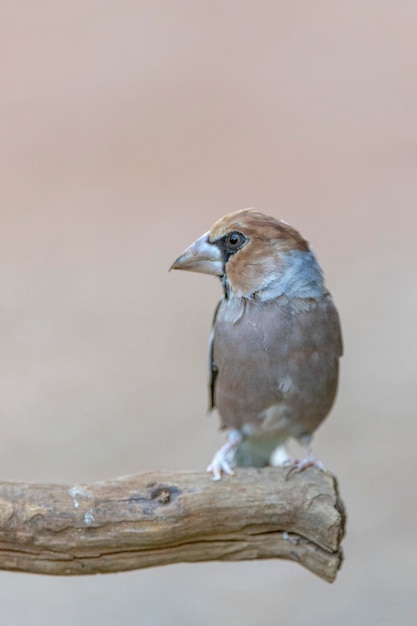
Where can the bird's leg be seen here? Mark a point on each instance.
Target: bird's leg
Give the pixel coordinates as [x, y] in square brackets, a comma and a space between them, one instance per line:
[310, 460]
[221, 462]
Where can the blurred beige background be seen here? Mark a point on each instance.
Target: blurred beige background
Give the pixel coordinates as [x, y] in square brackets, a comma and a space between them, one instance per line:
[127, 128]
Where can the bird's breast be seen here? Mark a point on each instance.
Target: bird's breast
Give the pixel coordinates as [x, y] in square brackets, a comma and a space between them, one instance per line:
[274, 359]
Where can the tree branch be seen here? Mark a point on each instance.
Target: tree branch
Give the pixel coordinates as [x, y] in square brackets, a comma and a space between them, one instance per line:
[157, 518]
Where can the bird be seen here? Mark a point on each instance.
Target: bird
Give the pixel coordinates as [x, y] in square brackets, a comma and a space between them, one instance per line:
[275, 343]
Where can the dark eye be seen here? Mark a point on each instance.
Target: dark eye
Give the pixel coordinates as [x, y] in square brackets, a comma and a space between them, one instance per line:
[234, 240]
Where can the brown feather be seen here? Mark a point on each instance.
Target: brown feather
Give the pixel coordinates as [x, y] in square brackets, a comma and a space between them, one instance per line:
[283, 355]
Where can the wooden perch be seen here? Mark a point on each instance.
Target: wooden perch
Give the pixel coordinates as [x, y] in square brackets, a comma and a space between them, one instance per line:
[157, 518]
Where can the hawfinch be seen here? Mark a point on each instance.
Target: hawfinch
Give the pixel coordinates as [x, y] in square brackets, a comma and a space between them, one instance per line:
[275, 343]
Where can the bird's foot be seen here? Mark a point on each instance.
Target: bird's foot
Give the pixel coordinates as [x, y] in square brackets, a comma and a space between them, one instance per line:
[220, 465]
[222, 460]
[298, 465]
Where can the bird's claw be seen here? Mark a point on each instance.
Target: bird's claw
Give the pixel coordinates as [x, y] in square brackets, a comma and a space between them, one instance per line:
[220, 465]
[223, 459]
[298, 465]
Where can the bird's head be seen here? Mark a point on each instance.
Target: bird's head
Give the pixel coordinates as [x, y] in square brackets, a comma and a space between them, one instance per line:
[255, 256]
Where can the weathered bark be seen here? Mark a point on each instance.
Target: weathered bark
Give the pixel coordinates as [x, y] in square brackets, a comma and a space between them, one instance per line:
[157, 518]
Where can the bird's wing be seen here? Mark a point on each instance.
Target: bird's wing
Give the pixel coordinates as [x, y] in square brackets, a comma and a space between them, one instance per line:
[213, 370]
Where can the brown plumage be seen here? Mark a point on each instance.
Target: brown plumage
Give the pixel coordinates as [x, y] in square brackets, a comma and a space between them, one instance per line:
[276, 337]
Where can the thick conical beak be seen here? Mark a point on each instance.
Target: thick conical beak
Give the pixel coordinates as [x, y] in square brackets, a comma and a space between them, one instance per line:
[202, 256]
